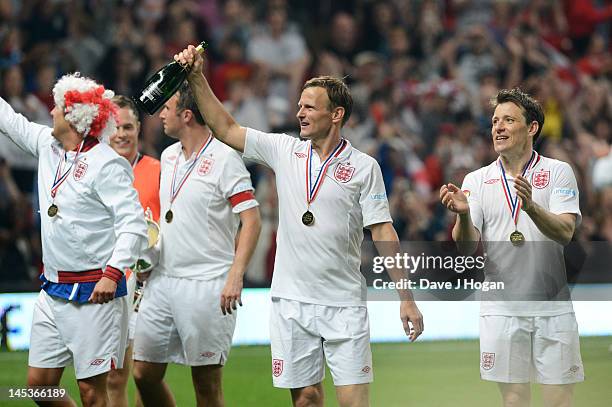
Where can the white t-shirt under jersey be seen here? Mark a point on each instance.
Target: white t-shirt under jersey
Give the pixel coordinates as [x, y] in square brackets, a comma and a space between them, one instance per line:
[554, 188]
[319, 264]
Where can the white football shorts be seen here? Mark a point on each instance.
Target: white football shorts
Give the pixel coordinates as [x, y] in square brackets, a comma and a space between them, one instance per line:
[93, 337]
[544, 350]
[304, 335]
[180, 321]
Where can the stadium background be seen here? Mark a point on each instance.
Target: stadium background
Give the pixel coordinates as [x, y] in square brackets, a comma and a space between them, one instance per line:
[421, 73]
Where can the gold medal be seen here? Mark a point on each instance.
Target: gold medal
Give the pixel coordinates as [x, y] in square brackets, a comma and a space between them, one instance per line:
[517, 238]
[52, 211]
[169, 216]
[308, 218]
[312, 189]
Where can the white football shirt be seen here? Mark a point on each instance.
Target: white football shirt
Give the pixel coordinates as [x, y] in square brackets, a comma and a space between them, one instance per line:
[532, 267]
[319, 264]
[99, 221]
[199, 242]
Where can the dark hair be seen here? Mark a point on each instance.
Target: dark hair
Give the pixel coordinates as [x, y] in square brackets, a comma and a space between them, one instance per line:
[186, 101]
[530, 107]
[124, 101]
[337, 92]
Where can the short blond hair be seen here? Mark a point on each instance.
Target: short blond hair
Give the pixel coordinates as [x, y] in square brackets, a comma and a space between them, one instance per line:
[338, 93]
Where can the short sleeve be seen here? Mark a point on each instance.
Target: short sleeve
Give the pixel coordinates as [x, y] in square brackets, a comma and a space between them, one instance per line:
[235, 184]
[470, 188]
[266, 148]
[564, 197]
[373, 198]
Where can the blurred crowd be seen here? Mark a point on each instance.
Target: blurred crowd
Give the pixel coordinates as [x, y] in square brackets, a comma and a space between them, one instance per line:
[422, 73]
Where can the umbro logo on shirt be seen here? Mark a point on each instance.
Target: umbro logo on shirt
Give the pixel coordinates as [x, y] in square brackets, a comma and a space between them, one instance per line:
[300, 155]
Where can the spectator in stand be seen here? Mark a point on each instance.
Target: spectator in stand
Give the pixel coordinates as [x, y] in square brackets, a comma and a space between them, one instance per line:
[337, 57]
[583, 17]
[14, 261]
[80, 46]
[233, 68]
[238, 17]
[22, 101]
[282, 58]
[245, 106]
[46, 75]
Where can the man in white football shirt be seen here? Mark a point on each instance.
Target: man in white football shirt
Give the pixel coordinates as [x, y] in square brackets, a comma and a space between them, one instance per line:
[186, 314]
[327, 192]
[524, 207]
[92, 228]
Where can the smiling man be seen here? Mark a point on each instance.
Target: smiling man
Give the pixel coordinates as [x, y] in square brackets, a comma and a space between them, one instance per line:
[328, 191]
[536, 200]
[125, 143]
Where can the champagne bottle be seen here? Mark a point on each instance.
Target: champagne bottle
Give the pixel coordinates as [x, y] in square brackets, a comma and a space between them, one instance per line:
[163, 84]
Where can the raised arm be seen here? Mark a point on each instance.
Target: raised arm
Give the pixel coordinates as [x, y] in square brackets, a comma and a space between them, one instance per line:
[222, 124]
[27, 135]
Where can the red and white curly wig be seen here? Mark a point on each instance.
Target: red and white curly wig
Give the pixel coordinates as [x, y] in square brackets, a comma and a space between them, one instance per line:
[86, 105]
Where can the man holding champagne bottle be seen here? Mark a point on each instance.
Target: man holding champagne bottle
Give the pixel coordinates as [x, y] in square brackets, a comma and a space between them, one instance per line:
[328, 192]
[188, 313]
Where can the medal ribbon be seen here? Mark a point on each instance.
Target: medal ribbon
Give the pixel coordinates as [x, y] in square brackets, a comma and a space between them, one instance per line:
[59, 181]
[313, 189]
[514, 204]
[175, 189]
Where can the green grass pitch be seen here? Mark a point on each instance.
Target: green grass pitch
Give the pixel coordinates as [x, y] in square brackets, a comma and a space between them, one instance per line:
[425, 374]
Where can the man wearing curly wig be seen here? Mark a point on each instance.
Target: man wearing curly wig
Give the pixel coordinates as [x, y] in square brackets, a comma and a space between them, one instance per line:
[92, 228]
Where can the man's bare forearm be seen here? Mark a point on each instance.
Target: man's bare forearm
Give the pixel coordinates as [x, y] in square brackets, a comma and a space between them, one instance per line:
[465, 234]
[247, 239]
[216, 116]
[559, 228]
